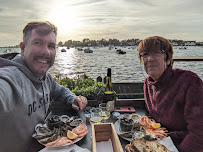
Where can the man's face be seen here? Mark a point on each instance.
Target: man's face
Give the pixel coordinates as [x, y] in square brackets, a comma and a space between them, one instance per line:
[39, 52]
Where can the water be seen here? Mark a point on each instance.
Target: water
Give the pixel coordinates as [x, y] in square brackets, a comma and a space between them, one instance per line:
[125, 68]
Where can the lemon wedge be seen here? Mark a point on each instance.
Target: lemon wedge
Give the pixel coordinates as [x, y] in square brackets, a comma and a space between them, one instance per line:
[156, 125]
[71, 135]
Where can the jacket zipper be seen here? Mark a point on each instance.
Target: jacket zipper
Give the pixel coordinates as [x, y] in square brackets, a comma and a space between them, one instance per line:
[156, 108]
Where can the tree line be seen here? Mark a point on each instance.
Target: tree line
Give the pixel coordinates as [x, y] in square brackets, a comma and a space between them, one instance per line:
[103, 42]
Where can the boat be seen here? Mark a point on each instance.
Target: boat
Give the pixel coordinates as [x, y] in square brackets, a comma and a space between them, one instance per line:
[79, 49]
[63, 50]
[9, 55]
[119, 51]
[183, 47]
[88, 50]
[7, 51]
[111, 47]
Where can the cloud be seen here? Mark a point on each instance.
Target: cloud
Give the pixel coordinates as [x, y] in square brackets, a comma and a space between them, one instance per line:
[107, 18]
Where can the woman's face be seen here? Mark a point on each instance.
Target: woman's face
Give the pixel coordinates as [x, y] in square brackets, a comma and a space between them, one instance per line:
[155, 63]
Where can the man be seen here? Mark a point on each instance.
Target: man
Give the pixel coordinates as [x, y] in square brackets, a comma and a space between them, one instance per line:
[26, 88]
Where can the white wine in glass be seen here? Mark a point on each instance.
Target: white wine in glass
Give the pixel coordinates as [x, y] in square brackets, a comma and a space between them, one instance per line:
[95, 119]
[105, 114]
[95, 116]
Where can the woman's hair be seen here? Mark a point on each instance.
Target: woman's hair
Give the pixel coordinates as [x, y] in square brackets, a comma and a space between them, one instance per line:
[42, 28]
[147, 44]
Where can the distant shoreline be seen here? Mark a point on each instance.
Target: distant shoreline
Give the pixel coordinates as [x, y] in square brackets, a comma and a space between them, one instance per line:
[9, 47]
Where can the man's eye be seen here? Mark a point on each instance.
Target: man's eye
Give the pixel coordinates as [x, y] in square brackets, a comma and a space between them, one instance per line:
[52, 46]
[37, 42]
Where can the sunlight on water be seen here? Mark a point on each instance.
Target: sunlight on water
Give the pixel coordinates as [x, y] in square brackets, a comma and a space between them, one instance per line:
[125, 68]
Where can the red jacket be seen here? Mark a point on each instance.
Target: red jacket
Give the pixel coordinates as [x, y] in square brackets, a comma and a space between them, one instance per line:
[176, 101]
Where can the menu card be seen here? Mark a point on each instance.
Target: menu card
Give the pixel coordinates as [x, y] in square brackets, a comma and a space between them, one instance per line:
[107, 144]
[168, 143]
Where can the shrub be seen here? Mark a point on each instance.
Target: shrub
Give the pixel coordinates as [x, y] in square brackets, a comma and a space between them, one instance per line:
[82, 85]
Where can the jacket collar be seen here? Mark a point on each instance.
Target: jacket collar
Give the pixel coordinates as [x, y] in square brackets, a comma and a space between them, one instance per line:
[163, 79]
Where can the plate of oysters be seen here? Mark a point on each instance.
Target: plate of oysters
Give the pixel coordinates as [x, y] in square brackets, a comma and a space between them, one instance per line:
[60, 131]
[134, 126]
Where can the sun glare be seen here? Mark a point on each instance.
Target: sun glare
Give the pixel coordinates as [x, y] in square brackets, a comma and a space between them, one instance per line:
[64, 18]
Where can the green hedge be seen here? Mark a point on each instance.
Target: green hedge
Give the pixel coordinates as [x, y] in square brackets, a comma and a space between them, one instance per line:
[82, 85]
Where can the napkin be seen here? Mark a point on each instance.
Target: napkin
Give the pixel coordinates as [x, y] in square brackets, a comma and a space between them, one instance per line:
[168, 143]
[64, 149]
[104, 146]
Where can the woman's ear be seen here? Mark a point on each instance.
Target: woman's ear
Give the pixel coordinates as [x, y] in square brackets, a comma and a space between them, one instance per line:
[168, 62]
[22, 47]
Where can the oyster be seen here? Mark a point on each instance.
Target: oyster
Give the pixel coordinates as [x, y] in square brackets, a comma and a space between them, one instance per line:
[42, 130]
[65, 119]
[45, 135]
[127, 134]
[76, 122]
[138, 135]
[64, 129]
[49, 139]
[53, 119]
[73, 118]
[135, 118]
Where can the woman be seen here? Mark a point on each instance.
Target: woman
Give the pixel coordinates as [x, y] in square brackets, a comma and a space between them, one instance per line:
[174, 97]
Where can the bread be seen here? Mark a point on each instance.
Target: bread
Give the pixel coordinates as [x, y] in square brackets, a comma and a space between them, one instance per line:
[141, 145]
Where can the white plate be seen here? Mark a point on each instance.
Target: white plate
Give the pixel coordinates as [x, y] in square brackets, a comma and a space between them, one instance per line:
[165, 141]
[75, 141]
[117, 127]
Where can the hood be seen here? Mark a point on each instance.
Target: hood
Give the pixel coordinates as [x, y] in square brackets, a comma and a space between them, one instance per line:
[18, 62]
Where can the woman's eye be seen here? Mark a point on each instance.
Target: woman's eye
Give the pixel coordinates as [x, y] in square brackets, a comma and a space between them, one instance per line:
[145, 54]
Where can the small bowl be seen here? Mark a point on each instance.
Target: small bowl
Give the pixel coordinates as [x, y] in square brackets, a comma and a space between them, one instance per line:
[126, 124]
[53, 122]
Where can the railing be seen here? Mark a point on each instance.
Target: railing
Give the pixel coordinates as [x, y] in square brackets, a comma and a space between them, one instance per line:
[192, 58]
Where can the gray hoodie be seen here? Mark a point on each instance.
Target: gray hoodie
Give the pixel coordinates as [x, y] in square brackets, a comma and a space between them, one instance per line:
[24, 102]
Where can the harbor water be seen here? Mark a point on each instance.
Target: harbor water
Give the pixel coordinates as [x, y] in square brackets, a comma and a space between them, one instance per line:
[125, 67]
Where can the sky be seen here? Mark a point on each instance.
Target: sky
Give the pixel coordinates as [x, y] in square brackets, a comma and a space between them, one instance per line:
[97, 19]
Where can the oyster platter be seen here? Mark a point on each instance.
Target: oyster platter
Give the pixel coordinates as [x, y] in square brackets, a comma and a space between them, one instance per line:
[60, 131]
[134, 126]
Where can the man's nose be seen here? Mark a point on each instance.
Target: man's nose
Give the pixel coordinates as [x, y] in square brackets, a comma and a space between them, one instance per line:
[46, 51]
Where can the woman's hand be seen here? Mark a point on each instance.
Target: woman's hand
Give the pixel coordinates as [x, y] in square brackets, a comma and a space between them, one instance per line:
[79, 103]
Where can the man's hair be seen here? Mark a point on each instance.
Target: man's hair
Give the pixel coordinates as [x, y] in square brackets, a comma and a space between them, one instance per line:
[156, 41]
[42, 28]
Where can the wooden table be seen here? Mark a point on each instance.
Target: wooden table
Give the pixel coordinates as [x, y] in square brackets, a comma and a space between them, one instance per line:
[86, 142]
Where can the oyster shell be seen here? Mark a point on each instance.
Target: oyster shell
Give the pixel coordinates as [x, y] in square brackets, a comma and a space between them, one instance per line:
[41, 129]
[76, 122]
[49, 139]
[65, 119]
[135, 118]
[127, 134]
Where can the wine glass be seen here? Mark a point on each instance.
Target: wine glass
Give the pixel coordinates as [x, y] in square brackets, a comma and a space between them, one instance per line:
[95, 115]
[105, 113]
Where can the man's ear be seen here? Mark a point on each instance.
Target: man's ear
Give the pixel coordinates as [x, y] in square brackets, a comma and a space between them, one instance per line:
[22, 47]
